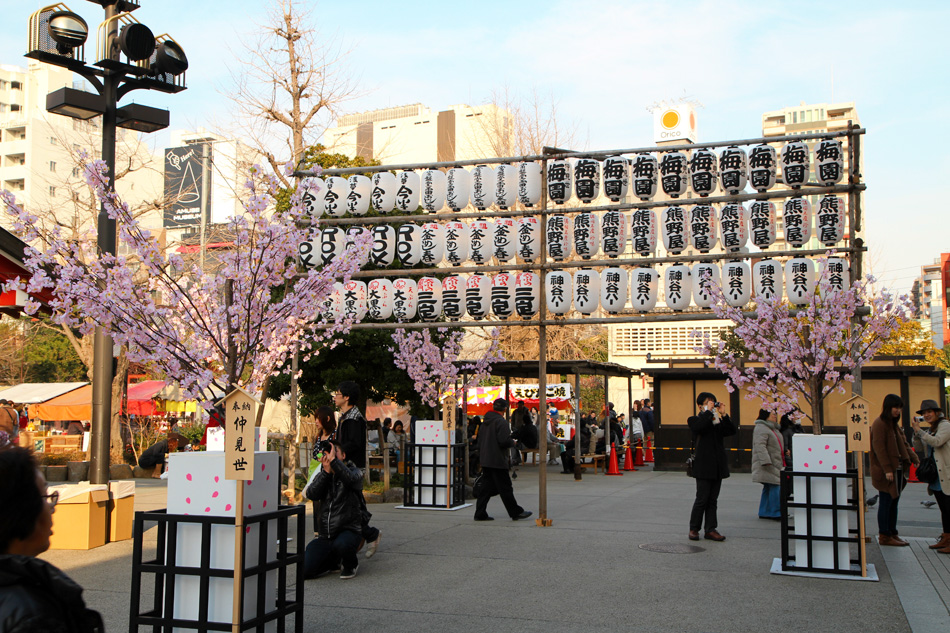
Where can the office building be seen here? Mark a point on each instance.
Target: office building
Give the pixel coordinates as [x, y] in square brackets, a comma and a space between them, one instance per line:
[931, 299]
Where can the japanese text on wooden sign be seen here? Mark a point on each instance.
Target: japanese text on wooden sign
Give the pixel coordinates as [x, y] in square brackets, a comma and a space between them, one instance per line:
[240, 416]
[859, 430]
[449, 410]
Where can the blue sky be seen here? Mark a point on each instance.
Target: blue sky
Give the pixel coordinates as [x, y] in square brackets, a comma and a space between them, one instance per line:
[605, 62]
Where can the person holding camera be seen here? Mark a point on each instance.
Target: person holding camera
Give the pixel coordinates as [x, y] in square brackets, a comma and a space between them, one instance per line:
[937, 442]
[710, 466]
[338, 485]
[494, 441]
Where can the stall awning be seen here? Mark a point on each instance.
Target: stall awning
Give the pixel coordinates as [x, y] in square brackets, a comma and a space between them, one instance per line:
[77, 405]
[141, 396]
[34, 392]
[480, 399]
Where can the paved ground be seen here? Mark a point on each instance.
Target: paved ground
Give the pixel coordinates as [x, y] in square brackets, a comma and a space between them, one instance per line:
[441, 570]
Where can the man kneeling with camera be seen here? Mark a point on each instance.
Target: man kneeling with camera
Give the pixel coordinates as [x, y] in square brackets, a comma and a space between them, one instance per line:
[338, 484]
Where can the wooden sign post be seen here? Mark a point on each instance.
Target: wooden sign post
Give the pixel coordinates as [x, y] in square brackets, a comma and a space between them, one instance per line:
[859, 442]
[240, 415]
[449, 411]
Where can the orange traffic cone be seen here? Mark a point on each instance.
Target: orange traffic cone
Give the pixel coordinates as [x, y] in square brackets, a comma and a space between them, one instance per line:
[912, 477]
[648, 456]
[628, 459]
[614, 468]
[639, 459]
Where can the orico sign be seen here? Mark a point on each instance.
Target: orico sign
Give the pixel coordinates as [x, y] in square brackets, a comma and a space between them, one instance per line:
[674, 123]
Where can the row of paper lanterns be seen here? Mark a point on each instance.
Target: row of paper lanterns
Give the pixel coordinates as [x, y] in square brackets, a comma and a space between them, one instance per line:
[505, 185]
[504, 294]
[734, 225]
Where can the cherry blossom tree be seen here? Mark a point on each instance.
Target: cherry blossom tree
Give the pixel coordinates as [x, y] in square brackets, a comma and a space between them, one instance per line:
[805, 353]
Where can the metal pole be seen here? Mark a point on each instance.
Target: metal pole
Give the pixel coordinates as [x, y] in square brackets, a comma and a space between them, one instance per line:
[543, 519]
[577, 427]
[606, 423]
[205, 199]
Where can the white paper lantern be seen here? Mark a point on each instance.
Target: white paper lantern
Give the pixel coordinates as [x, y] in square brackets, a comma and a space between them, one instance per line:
[482, 235]
[404, 299]
[559, 237]
[502, 295]
[733, 169]
[797, 219]
[560, 177]
[527, 294]
[483, 187]
[358, 198]
[586, 290]
[409, 245]
[354, 299]
[433, 243]
[586, 235]
[762, 223]
[616, 178]
[429, 298]
[675, 229]
[674, 173]
[613, 233]
[587, 179]
[679, 287]
[529, 238]
[453, 297]
[645, 176]
[457, 242]
[702, 227]
[558, 292]
[505, 241]
[353, 234]
[312, 196]
[799, 280]
[643, 231]
[434, 185]
[762, 165]
[408, 193]
[309, 252]
[733, 227]
[829, 220]
[333, 304]
[835, 274]
[332, 243]
[385, 187]
[703, 171]
[613, 289]
[644, 289]
[506, 186]
[795, 164]
[767, 279]
[334, 198]
[829, 162]
[704, 274]
[737, 283]
[478, 296]
[529, 183]
[379, 302]
[458, 188]
[384, 245]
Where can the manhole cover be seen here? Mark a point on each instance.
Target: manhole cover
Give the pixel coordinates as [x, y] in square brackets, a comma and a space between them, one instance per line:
[672, 548]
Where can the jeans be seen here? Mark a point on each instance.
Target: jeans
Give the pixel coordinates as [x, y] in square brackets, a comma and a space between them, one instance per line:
[706, 504]
[499, 484]
[887, 514]
[770, 504]
[323, 554]
[943, 502]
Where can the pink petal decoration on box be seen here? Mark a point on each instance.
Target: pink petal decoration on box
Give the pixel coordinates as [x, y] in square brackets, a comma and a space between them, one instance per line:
[207, 509]
[806, 463]
[227, 507]
[188, 476]
[215, 479]
[214, 494]
[187, 499]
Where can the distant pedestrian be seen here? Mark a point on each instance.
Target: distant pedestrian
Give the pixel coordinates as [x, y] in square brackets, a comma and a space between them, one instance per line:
[494, 442]
[791, 425]
[646, 419]
[937, 442]
[890, 464]
[710, 466]
[768, 461]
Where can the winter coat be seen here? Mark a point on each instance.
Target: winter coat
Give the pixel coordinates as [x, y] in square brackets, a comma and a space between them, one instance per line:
[940, 442]
[527, 435]
[646, 418]
[36, 597]
[889, 452]
[767, 449]
[494, 437]
[351, 433]
[341, 497]
[710, 450]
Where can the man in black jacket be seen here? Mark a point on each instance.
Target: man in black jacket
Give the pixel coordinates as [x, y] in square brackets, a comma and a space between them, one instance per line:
[339, 485]
[494, 441]
[710, 465]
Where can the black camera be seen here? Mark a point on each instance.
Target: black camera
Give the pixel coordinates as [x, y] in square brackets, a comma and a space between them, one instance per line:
[321, 446]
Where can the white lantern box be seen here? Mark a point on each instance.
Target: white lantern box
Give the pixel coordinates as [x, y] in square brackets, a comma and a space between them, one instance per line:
[704, 275]
[645, 176]
[762, 223]
[478, 296]
[613, 289]
[768, 279]
[506, 186]
[586, 290]
[587, 179]
[703, 171]
[829, 162]
[453, 297]
[309, 252]
[502, 295]
[354, 300]
[482, 236]
[799, 280]
[586, 235]
[409, 245]
[312, 193]
[560, 177]
[458, 188]
[408, 192]
[797, 219]
[358, 198]
[384, 191]
[483, 187]
[457, 242]
[737, 283]
[404, 299]
[679, 287]
[384, 245]
[834, 274]
[613, 233]
[733, 227]
[675, 229]
[762, 167]
[733, 169]
[527, 294]
[702, 227]
[529, 238]
[529, 184]
[379, 303]
[643, 231]
[559, 237]
[332, 243]
[334, 198]
[433, 243]
[674, 174]
[505, 241]
[829, 220]
[616, 178]
[795, 164]
[429, 298]
[434, 185]
[644, 289]
[558, 292]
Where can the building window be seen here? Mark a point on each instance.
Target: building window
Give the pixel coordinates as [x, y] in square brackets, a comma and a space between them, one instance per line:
[16, 85]
[52, 192]
[794, 117]
[52, 165]
[75, 172]
[52, 140]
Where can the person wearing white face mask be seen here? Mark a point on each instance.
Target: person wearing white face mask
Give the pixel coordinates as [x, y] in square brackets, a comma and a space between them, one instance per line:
[937, 442]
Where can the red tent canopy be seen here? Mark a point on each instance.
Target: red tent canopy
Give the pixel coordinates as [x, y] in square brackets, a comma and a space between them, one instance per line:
[77, 404]
[141, 396]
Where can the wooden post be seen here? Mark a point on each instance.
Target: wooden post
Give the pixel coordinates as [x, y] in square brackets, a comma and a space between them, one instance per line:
[577, 427]
[859, 440]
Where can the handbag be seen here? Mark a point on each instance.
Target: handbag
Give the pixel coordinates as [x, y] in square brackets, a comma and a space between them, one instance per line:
[927, 471]
[692, 458]
[480, 486]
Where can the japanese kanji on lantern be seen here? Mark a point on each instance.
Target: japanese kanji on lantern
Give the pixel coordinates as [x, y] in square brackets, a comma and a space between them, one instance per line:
[309, 252]
[643, 231]
[384, 245]
[829, 162]
[385, 187]
[407, 194]
[429, 298]
[505, 241]
[829, 220]
[674, 172]
[432, 243]
[644, 289]
[453, 297]
[457, 242]
[506, 186]
[674, 228]
[613, 233]
[332, 243]
[529, 184]
[733, 227]
[799, 280]
[616, 178]
[587, 179]
[434, 185]
[586, 290]
[358, 197]
[404, 299]
[333, 305]
[559, 237]
[409, 245]
[312, 192]
[478, 296]
[703, 171]
[558, 292]
[613, 289]
[502, 295]
[762, 223]
[354, 300]
[737, 283]
[240, 415]
[527, 294]
[560, 177]
[762, 167]
[645, 176]
[679, 287]
[733, 169]
[834, 273]
[482, 236]
[704, 274]
[586, 235]
[379, 302]
[529, 238]
[335, 195]
[458, 188]
[483, 187]
[797, 218]
[702, 227]
[795, 164]
[767, 279]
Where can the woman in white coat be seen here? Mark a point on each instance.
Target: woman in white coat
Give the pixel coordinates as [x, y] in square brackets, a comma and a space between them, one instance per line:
[768, 460]
[936, 441]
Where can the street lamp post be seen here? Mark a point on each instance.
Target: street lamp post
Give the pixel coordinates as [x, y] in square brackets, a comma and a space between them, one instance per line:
[129, 58]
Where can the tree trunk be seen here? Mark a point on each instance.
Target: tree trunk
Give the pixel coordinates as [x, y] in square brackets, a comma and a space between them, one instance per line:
[119, 387]
[817, 412]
